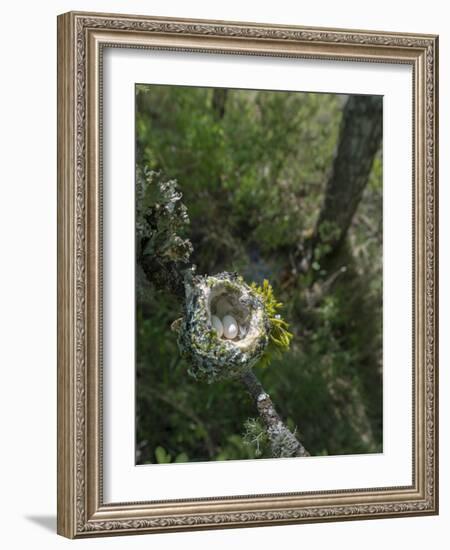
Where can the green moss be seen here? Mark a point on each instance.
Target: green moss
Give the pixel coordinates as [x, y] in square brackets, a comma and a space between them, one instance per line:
[280, 337]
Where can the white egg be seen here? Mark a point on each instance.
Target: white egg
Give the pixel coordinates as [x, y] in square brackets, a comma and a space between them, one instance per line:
[230, 327]
[217, 325]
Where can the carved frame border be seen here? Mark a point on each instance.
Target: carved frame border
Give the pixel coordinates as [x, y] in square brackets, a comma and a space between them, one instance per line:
[81, 38]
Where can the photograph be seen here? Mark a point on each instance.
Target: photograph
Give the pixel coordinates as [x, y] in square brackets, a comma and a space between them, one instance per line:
[259, 274]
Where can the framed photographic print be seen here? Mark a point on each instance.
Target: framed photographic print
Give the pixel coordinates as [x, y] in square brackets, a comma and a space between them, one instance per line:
[247, 274]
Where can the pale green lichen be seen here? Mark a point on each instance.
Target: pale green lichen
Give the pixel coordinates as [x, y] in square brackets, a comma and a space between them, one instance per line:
[256, 436]
[162, 249]
[213, 358]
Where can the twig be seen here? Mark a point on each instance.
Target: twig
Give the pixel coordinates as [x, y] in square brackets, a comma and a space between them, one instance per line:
[283, 442]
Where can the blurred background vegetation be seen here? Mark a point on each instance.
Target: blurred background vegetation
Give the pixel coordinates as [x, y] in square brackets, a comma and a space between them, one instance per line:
[253, 168]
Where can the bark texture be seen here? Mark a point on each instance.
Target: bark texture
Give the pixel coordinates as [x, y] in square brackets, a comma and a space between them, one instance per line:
[219, 99]
[359, 141]
[283, 441]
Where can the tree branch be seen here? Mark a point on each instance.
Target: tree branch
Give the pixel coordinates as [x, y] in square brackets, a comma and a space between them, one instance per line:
[164, 257]
[282, 440]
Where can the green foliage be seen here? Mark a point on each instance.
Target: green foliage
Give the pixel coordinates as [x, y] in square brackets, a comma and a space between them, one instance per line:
[163, 457]
[270, 149]
[280, 337]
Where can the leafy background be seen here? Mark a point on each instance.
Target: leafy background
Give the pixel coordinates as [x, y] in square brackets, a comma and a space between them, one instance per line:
[252, 167]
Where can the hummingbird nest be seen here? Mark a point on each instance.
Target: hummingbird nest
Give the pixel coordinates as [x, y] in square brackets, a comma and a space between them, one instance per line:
[225, 330]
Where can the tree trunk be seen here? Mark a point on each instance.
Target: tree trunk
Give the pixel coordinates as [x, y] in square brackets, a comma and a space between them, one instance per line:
[359, 141]
[219, 99]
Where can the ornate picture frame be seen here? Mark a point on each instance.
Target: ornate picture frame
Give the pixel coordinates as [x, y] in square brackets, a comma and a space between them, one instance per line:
[82, 38]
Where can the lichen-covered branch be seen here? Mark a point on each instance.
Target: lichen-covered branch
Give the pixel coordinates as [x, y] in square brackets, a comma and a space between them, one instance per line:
[162, 251]
[228, 326]
[283, 442]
